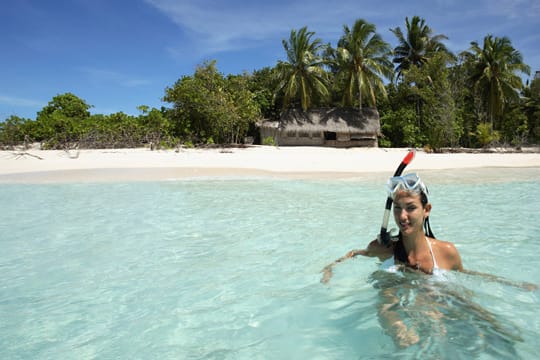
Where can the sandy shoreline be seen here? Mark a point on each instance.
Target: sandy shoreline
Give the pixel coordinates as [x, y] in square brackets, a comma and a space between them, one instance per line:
[289, 162]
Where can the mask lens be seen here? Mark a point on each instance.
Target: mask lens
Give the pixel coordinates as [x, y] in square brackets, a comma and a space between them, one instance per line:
[407, 182]
[411, 181]
[394, 183]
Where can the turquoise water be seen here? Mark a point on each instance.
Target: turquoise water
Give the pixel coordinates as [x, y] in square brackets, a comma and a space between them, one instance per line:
[230, 269]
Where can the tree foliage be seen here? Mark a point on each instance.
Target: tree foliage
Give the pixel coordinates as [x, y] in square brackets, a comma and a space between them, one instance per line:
[302, 77]
[400, 128]
[210, 108]
[477, 99]
[417, 45]
[14, 131]
[65, 122]
[361, 60]
[494, 75]
[117, 130]
[429, 86]
[263, 84]
[531, 108]
[61, 121]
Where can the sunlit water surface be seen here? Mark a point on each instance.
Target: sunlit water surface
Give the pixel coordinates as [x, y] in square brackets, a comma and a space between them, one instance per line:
[230, 269]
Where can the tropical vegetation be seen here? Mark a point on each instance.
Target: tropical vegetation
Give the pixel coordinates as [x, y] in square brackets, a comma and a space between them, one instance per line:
[361, 60]
[302, 76]
[417, 45]
[431, 98]
[494, 75]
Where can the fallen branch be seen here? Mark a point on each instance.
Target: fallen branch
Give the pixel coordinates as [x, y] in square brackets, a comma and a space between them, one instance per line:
[24, 153]
[70, 155]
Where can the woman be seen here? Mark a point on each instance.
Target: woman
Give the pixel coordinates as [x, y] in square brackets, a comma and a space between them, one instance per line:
[415, 246]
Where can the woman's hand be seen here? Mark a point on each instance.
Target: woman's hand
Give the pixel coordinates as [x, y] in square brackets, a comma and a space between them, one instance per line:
[327, 271]
[353, 253]
[327, 274]
[373, 249]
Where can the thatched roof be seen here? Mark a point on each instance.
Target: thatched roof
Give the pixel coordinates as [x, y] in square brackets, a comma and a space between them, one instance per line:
[337, 127]
[339, 120]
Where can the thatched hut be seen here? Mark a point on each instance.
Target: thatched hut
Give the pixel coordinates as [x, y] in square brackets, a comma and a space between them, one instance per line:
[337, 127]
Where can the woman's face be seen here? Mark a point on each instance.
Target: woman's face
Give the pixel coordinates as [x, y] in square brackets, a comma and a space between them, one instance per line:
[409, 213]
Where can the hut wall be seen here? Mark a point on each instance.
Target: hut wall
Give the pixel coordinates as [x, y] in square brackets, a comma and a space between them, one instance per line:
[336, 127]
[367, 142]
[297, 138]
[343, 136]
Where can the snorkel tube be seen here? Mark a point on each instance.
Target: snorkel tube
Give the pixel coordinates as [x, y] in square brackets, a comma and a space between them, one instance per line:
[384, 236]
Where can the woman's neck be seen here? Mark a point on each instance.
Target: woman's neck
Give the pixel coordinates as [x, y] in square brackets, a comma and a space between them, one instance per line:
[414, 241]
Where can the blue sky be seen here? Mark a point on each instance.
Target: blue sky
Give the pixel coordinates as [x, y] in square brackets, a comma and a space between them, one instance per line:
[119, 54]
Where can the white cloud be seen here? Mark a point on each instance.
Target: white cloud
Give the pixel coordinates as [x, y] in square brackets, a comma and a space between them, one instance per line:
[208, 27]
[513, 9]
[229, 26]
[108, 76]
[22, 102]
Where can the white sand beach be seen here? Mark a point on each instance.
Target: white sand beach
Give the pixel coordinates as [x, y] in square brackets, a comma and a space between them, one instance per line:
[296, 162]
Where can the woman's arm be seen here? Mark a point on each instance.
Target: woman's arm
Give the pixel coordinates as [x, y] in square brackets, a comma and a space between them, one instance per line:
[373, 249]
[452, 256]
[519, 284]
[327, 270]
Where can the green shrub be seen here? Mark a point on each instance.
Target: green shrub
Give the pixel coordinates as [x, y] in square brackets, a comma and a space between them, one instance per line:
[485, 135]
[384, 143]
[269, 140]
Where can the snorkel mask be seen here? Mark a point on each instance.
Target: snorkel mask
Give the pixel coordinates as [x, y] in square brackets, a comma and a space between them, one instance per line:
[413, 184]
[409, 183]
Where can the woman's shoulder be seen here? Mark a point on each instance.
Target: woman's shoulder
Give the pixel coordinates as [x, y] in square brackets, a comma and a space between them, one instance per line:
[441, 243]
[449, 252]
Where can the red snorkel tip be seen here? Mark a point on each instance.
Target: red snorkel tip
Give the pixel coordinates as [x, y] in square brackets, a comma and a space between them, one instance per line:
[408, 158]
[384, 236]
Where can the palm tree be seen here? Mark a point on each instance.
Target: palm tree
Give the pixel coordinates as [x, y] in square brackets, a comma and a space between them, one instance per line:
[418, 46]
[494, 73]
[362, 58]
[302, 74]
[531, 107]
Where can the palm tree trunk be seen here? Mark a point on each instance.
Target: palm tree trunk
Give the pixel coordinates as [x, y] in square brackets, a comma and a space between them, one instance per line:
[491, 111]
[360, 93]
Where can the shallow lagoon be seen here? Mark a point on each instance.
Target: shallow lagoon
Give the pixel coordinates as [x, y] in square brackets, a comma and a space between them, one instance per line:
[230, 268]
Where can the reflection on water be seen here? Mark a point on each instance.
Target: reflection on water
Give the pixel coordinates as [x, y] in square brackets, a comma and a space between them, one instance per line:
[230, 269]
[440, 317]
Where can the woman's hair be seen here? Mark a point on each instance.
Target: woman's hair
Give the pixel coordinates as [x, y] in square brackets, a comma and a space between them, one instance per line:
[427, 227]
[423, 198]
